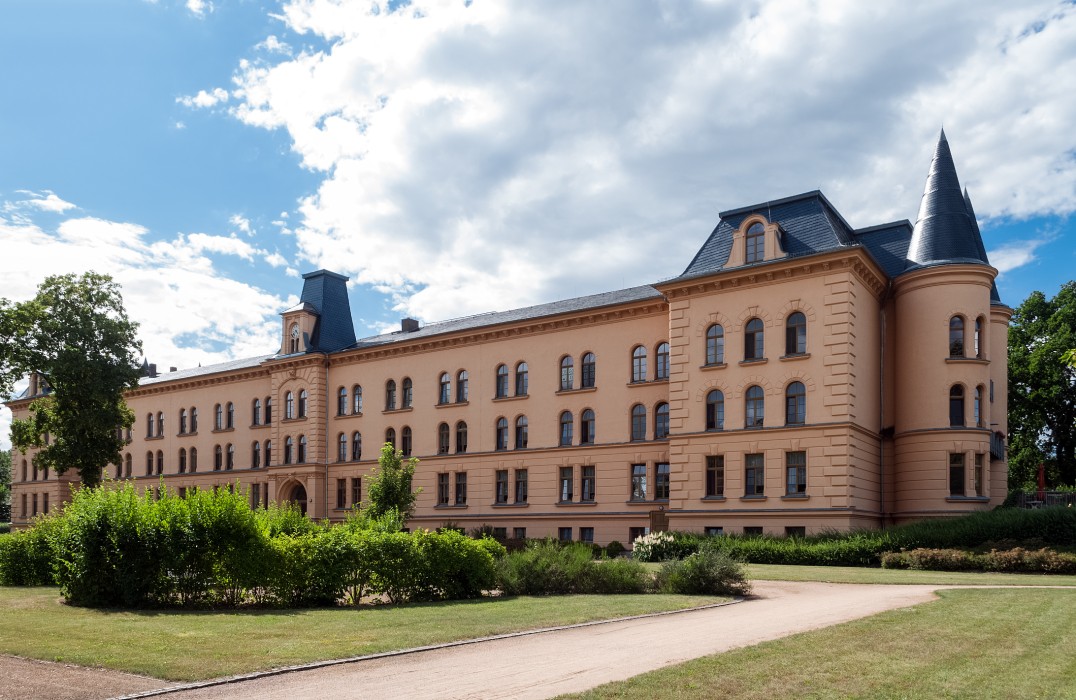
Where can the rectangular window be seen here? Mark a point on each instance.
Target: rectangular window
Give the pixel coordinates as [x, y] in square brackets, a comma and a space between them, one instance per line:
[798, 531]
[521, 486]
[752, 531]
[661, 481]
[754, 475]
[635, 533]
[502, 486]
[461, 488]
[796, 473]
[356, 490]
[586, 534]
[44, 503]
[519, 533]
[34, 501]
[442, 489]
[341, 493]
[713, 530]
[567, 482]
[588, 484]
[564, 534]
[715, 476]
[956, 474]
[979, 474]
[638, 482]
[255, 495]
[500, 533]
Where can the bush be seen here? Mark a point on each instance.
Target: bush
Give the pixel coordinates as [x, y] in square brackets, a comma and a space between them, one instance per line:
[706, 572]
[1017, 560]
[26, 557]
[614, 549]
[547, 567]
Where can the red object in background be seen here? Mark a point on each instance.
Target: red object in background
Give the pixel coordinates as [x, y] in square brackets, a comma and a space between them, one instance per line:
[1041, 495]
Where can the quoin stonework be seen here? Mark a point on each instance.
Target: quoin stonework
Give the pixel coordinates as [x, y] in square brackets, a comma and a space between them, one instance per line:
[799, 375]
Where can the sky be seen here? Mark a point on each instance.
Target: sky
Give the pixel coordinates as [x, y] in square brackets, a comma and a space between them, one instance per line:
[461, 156]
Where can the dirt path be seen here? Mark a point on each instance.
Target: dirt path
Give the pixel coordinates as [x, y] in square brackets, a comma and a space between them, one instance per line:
[25, 678]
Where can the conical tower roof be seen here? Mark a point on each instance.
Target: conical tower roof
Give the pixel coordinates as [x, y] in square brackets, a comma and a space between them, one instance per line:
[945, 231]
[995, 297]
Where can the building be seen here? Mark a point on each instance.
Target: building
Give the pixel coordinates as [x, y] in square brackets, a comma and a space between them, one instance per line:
[799, 375]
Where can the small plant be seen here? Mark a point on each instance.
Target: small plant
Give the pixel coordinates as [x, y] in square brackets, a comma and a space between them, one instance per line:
[657, 546]
[614, 549]
[706, 572]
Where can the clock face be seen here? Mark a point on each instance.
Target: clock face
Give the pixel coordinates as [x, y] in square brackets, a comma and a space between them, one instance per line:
[295, 332]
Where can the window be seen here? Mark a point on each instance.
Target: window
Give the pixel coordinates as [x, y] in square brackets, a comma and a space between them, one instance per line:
[268, 412]
[661, 421]
[302, 403]
[661, 359]
[956, 474]
[443, 439]
[587, 492]
[956, 336]
[288, 445]
[229, 416]
[356, 446]
[638, 482]
[586, 428]
[713, 531]
[638, 422]
[521, 379]
[755, 243]
[341, 401]
[521, 433]
[289, 406]
[256, 412]
[795, 531]
[519, 533]
[302, 450]
[638, 364]
[126, 465]
[956, 406]
[567, 484]
[341, 447]
[796, 473]
[521, 486]
[390, 395]
[405, 441]
[182, 421]
[229, 455]
[462, 392]
[256, 455]
[978, 474]
[501, 495]
[194, 460]
[356, 490]
[754, 475]
[341, 493]
[408, 393]
[753, 346]
[390, 437]
[715, 476]
[715, 410]
[502, 434]
[160, 427]
[977, 407]
[356, 399]
[255, 495]
[461, 437]
[755, 407]
[182, 461]
[566, 421]
[293, 338]
[218, 457]
[661, 481]
[979, 337]
[461, 488]
[564, 534]
[218, 417]
[796, 334]
[567, 373]
[589, 371]
[635, 533]
[501, 387]
[795, 404]
[445, 388]
[442, 489]
[268, 454]
[586, 534]
[715, 345]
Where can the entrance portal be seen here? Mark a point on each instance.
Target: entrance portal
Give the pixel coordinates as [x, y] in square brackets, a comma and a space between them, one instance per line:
[298, 497]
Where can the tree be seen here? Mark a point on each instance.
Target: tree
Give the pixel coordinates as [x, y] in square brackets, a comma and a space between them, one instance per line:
[390, 484]
[5, 482]
[1042, 388]
[76, 338]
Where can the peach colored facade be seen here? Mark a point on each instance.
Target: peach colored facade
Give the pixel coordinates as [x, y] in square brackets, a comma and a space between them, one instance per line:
[836, 414]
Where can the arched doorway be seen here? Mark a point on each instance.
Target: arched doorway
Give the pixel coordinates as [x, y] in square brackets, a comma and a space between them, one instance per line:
[297, 495]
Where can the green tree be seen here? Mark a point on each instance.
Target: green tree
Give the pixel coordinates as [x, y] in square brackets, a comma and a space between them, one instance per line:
[390, 484]
[5, 480]
[1042, 389]
[75, 336]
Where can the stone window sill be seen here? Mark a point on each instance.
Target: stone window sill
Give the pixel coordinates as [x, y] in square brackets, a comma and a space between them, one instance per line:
[754, 361]
[717, 365]
[580, 390]
[796, 356]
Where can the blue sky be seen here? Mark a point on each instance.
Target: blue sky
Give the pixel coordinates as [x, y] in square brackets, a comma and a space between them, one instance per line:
[456, 157]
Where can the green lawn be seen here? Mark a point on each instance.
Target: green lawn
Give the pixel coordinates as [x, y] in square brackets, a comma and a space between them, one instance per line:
[974, 644]
[852, 574]
[198, 645]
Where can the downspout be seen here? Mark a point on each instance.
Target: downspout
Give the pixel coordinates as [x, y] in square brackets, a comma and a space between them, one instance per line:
[325, 441]
[881, 406]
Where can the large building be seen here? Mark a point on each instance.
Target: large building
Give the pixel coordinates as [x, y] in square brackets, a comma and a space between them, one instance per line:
[799, 375]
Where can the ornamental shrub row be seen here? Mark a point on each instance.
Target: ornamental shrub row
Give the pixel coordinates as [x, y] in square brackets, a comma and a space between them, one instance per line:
[1016, 560]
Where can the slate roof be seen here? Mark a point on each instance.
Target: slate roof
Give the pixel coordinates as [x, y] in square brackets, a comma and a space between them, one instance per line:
[887, 244]
[326, 292]
[218, 368]
[995, 297]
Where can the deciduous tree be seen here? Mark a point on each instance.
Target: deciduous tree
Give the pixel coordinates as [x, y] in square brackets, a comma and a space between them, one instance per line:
[390, 484]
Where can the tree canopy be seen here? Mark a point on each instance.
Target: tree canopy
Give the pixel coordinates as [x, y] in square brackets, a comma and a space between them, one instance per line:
[390, 484]
[76, 337]
[1042, 389]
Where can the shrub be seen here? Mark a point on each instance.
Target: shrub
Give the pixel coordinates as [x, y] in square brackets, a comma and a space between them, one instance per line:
[657, 546]
[1012, 560]
[614, 549]
[547, 567]
[26, 557]
[706, 572]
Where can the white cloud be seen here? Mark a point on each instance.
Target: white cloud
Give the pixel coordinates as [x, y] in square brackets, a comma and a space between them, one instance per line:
[242, 223]
[204, 99]
[1014, 254]
[276, 260]
[199, 8]
[224, 245]
[274, 45]
[46, 201]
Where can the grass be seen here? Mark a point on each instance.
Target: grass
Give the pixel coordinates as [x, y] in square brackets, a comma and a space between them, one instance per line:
[198, 644]
[969, 644]
[854, 574]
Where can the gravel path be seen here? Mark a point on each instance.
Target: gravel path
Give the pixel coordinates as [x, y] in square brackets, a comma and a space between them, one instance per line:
[21, 679]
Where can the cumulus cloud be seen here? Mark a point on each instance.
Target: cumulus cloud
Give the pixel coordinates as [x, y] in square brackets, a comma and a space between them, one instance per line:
[204, 99]
[1015, 254]
[274, 45]
[199, 8]
[242, 223]
[46, 201]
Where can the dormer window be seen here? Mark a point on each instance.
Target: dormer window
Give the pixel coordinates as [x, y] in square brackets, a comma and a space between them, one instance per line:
[755, 243]
[294, 337]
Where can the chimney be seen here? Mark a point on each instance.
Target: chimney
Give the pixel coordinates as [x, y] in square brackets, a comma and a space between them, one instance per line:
[172, 369]
[408, 325]
[152, 370]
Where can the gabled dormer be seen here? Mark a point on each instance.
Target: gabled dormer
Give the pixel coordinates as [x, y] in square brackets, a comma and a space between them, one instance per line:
[321, 322]
[756, 240]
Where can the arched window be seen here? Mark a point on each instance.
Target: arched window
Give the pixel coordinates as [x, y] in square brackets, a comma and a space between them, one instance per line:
[229, 457]
[715, 345]
[590, 371]
[755, 406]
[268, 410]
[218, 417]
[796, 334]
[356, 446]
[194, 459]
[566, 422]
[405, 441]
[301, 456]
[126, 465]
[586, 428]
[218, 458]
[443, 439]
[956, 336]
[356, 399]
[638, 364]
[255, 455]
[293, 338]
[289, 406]
[795, 404]
[567, 373]
[661, 421]
[160, 425]
[302, 403]
[979, 350]
[445, 388]
[160, 462]
[229, 416]
[268, 453]
[461, 437]
[390, 395]
[661, 360]
[341, 401]
[638, 422]
[149, 465]
[149, 425]
[715, 410]
[256, 412]
[182, 461]
[501, 388]
[288, 447]
[119, 472]
[502, 434]
[341, 447]
[462, 391]
[521, 379]
[182, 421]
[522, 431]
[408, 393]
[956, 406]
[755, 243]
[978, 406]
[390, 437]
[753, 346]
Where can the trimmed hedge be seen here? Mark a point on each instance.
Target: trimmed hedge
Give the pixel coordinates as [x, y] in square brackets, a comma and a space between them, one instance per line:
[1017, 560]
[549, 567]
